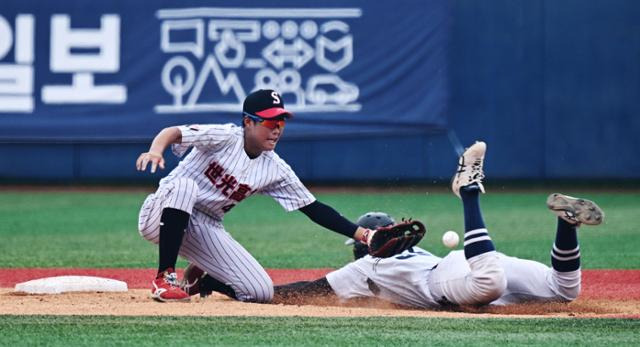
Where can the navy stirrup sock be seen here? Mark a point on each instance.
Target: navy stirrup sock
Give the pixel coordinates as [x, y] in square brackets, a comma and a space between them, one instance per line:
[173, 223]
[471, 202]
[476, 237]
[565, 255]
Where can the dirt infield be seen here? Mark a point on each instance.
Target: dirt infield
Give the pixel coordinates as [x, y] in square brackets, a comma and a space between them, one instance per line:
[606, 293]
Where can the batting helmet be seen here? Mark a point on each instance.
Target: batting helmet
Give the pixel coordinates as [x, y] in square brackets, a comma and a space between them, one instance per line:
[370, 220]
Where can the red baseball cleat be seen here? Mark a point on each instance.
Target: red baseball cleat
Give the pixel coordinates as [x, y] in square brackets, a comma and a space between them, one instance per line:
[165, 288]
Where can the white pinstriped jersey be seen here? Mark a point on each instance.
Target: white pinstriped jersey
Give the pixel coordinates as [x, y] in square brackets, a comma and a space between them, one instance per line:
[225, 174]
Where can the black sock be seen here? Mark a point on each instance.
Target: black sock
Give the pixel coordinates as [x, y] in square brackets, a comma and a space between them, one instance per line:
[565, 254]
[172, 226]
[476, 237]
[209, 284]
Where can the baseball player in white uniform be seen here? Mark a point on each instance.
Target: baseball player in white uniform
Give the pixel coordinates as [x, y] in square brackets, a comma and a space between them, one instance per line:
[478, 275]
[226, 164]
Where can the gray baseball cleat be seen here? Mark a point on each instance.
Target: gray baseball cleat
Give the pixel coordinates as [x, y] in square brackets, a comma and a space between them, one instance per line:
[470, 168]
[575, 210]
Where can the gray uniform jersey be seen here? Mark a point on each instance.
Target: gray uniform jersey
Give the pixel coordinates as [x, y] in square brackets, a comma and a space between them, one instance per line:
[215, 176]
[401, 279]
[413, 279]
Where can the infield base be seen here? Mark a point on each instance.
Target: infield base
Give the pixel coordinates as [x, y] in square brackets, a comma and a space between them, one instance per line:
[65, 284]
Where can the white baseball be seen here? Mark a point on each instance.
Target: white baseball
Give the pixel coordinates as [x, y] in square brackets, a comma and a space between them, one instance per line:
[450, 239]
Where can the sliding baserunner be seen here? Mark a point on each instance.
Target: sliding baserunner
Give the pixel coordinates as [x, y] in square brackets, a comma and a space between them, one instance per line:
[477, 275]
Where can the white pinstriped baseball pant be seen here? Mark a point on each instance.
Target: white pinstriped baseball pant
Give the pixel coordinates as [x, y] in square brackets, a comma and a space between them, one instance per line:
[206, 243]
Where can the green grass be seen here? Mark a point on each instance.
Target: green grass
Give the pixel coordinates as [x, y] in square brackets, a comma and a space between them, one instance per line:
[296, 331]
[92, 229]
[99, 230]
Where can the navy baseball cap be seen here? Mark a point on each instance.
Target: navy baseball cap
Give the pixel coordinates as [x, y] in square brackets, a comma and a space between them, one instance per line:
[266, 104]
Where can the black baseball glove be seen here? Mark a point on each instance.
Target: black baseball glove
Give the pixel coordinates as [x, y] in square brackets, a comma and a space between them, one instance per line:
[387, 241]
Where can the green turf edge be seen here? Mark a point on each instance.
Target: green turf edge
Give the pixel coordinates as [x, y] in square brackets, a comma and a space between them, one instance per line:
[99, 229]
[270, 331]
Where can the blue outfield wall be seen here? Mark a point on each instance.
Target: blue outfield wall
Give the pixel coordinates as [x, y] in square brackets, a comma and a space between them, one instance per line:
[388, 160]
[552, 86]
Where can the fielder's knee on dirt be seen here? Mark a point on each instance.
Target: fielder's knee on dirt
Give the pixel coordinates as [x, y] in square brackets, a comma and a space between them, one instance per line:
[487, 278]
[183, 195]
[260, 291]
[567, 284]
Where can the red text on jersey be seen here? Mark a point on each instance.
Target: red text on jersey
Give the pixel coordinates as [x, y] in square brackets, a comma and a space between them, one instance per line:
[228, 183]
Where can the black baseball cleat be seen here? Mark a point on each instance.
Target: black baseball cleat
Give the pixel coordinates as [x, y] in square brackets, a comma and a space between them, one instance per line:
[575, 210]
[197, 281]
[192, 281]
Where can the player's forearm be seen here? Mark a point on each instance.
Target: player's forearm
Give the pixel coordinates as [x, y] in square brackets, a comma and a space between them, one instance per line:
[305, 292]
[165, 138]
[329, 218]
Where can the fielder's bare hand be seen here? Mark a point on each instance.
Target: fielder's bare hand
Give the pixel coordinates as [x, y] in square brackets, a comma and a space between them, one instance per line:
[145, 158]
[164, 138]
